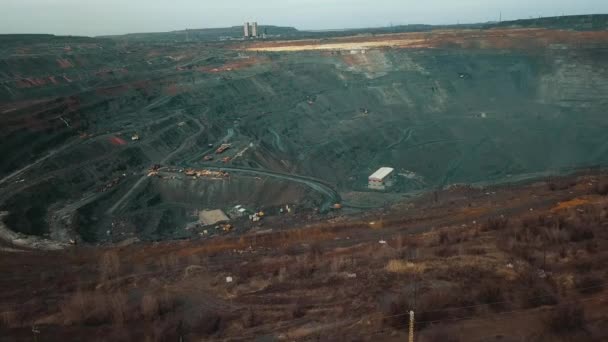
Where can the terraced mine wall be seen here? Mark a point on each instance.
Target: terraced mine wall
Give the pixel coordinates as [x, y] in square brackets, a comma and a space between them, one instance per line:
[440, 115]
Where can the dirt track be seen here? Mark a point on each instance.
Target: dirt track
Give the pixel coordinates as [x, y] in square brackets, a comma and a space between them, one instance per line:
[332, 196]
[493, 39]
[26, 242]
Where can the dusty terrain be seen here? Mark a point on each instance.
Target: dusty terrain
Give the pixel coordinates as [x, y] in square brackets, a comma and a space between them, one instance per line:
[472, 263]
[484, 39]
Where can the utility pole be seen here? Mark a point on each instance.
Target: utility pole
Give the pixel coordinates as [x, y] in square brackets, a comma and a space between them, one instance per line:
[411, 335]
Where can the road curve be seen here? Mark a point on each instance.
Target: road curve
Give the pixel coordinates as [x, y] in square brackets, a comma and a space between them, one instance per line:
[332, 196]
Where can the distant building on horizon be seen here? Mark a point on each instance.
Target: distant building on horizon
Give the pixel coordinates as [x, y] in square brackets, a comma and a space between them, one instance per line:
[246, 30]
[250, 30]
[254, 29]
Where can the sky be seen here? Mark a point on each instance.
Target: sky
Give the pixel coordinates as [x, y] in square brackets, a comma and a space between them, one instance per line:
[104, 17]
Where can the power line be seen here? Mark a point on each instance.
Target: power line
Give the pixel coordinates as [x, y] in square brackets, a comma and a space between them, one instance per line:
[481, 317]
[472, 317]
[477, 317]
[489, 303]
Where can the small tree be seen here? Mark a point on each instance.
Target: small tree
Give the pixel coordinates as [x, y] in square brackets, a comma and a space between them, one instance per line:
[567, 318]
[109, 265]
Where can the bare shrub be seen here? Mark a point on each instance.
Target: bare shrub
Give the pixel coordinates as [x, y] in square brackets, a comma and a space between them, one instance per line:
[119, 305]
[446, 252]
[338, 263]
[581, 234]
[438, 305]
[589, 284]
[492, 293]
[583, 266]
[193, 271]
[299, 309]
[159, 331]
[400, 241]
[303, 270]
[439, 333]
[194, 259]
[315, 251]
[430, 307]
[554, 235]
[555, 184]
[537, 291]
[566, 318]
[475, 251]
[395, 309]
[495, 223]
[74, 308]
[156, 304]
[291, 249]
[443, 238]
[204, 322]
[109, 265]
[250, 319]
[591, 247]
[89, 309]
[601, 188]
[149, 306]
[402, 266]
[169, 262]
[282, 274]
[8, 319]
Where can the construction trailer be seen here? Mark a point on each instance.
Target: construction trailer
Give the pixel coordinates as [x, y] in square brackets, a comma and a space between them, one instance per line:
[383, 178]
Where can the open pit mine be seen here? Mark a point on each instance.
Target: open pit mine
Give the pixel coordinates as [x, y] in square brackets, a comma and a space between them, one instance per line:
[298, 186]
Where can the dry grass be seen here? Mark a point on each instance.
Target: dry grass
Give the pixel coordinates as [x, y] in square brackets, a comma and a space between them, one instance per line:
[404, 267]
[573, 203]
[342, 46]
[467, 39]
[109, 265]
[566, 318]
[86, 308]
[9, 319]
[312, 273]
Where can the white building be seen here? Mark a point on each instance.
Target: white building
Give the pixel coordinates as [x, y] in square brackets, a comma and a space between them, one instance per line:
[254, 29]
[381, 179]
[246, 31]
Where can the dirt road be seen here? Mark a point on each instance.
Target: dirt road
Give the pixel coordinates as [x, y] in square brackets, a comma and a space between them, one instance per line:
[185, 143]
[27, 242]
[38, 161]
[332, 196]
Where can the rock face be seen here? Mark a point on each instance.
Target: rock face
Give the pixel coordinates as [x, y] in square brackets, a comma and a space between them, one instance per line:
[465, 110]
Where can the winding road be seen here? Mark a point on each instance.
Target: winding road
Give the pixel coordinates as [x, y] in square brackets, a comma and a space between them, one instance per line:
[332, 196]
[187, 142]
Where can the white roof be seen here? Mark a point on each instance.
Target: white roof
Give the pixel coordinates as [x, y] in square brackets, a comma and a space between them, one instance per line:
[382, 173]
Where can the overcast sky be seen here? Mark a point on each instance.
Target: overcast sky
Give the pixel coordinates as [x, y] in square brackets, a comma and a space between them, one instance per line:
[99, 17]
